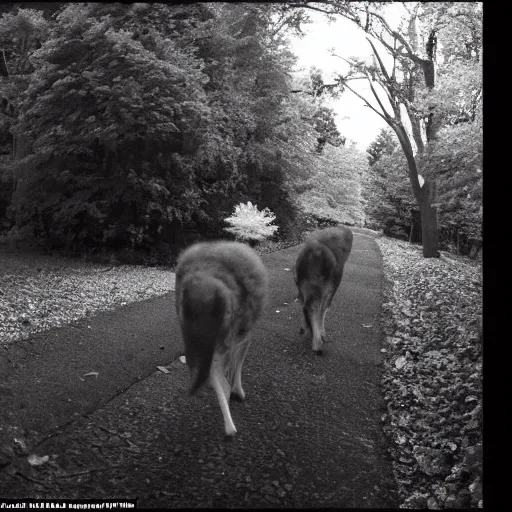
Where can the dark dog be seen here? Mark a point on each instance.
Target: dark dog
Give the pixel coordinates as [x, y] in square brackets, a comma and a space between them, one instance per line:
[318, 272]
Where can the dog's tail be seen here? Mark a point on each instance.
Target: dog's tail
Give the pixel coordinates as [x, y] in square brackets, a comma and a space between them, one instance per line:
[203, 318]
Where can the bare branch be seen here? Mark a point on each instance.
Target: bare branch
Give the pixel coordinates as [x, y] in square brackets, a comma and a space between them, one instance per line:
[395, 34]
[388, 85]
[348, 79]
[394, 61]
[342, 58]
[381, 64]
[388, 47]
[4, 69]
[380, 103]
[387, 119]
[280, 24]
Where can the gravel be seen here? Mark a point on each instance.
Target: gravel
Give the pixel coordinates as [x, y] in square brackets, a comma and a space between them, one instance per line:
[432, 375]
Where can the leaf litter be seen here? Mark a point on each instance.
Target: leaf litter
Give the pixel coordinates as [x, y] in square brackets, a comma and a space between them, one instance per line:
[432, 376]
[38, 292]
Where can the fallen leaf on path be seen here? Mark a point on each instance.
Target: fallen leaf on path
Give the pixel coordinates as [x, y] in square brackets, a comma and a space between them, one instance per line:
[21, 442]
[35, 460]
[183, 359]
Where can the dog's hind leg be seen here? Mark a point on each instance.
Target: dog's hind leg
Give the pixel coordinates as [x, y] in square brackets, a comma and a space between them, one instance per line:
[222, 389]
[305, 323]
[326, 302]
[238, 360]
[324, 337]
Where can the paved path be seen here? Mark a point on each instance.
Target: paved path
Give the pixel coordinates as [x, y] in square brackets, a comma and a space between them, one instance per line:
[308, 434]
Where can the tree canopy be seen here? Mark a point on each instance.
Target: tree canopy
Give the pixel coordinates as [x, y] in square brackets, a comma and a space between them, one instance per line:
[141, 126]
[149, 122]
[424, 79]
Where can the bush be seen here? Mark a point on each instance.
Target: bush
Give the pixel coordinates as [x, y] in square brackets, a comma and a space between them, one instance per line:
[249, 223]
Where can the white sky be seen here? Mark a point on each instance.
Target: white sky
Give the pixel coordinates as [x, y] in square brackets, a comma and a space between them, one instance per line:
[354, 120]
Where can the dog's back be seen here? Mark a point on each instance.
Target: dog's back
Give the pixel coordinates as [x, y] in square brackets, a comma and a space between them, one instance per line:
[318, 272]
[220, 292]
[338, 240]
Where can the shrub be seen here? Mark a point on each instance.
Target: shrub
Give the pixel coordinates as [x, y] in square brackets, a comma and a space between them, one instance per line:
[249, 223]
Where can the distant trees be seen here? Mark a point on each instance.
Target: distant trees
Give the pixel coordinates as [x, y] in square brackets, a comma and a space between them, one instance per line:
[384, 144]
[388, 200]
[334, 190]
[387, 196]
[326, 128]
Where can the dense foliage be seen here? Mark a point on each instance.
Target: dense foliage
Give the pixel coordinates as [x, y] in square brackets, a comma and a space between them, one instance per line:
[455, 160]
[138, 127]
[141, 126]
[333, 192]
[388, 200]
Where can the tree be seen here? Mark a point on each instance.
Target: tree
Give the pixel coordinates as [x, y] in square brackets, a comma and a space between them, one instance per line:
[388, 200]
[326, 128]
[384, 144]
[455, 160]
[248, 64]
[119, 104]
[413, 63]
[334, 186]
[21, 34]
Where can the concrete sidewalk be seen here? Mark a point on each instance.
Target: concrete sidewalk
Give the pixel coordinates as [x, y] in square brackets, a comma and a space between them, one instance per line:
[308, 434]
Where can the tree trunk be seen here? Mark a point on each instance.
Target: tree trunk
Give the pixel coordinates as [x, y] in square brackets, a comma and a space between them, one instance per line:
[428, 220]
[475, 251]
[415, 237]
[416, 133]
[425, 196]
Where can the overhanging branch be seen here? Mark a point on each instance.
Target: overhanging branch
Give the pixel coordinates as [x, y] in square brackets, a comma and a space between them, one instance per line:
[381, 64]
[378, 100]
[367, 103]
